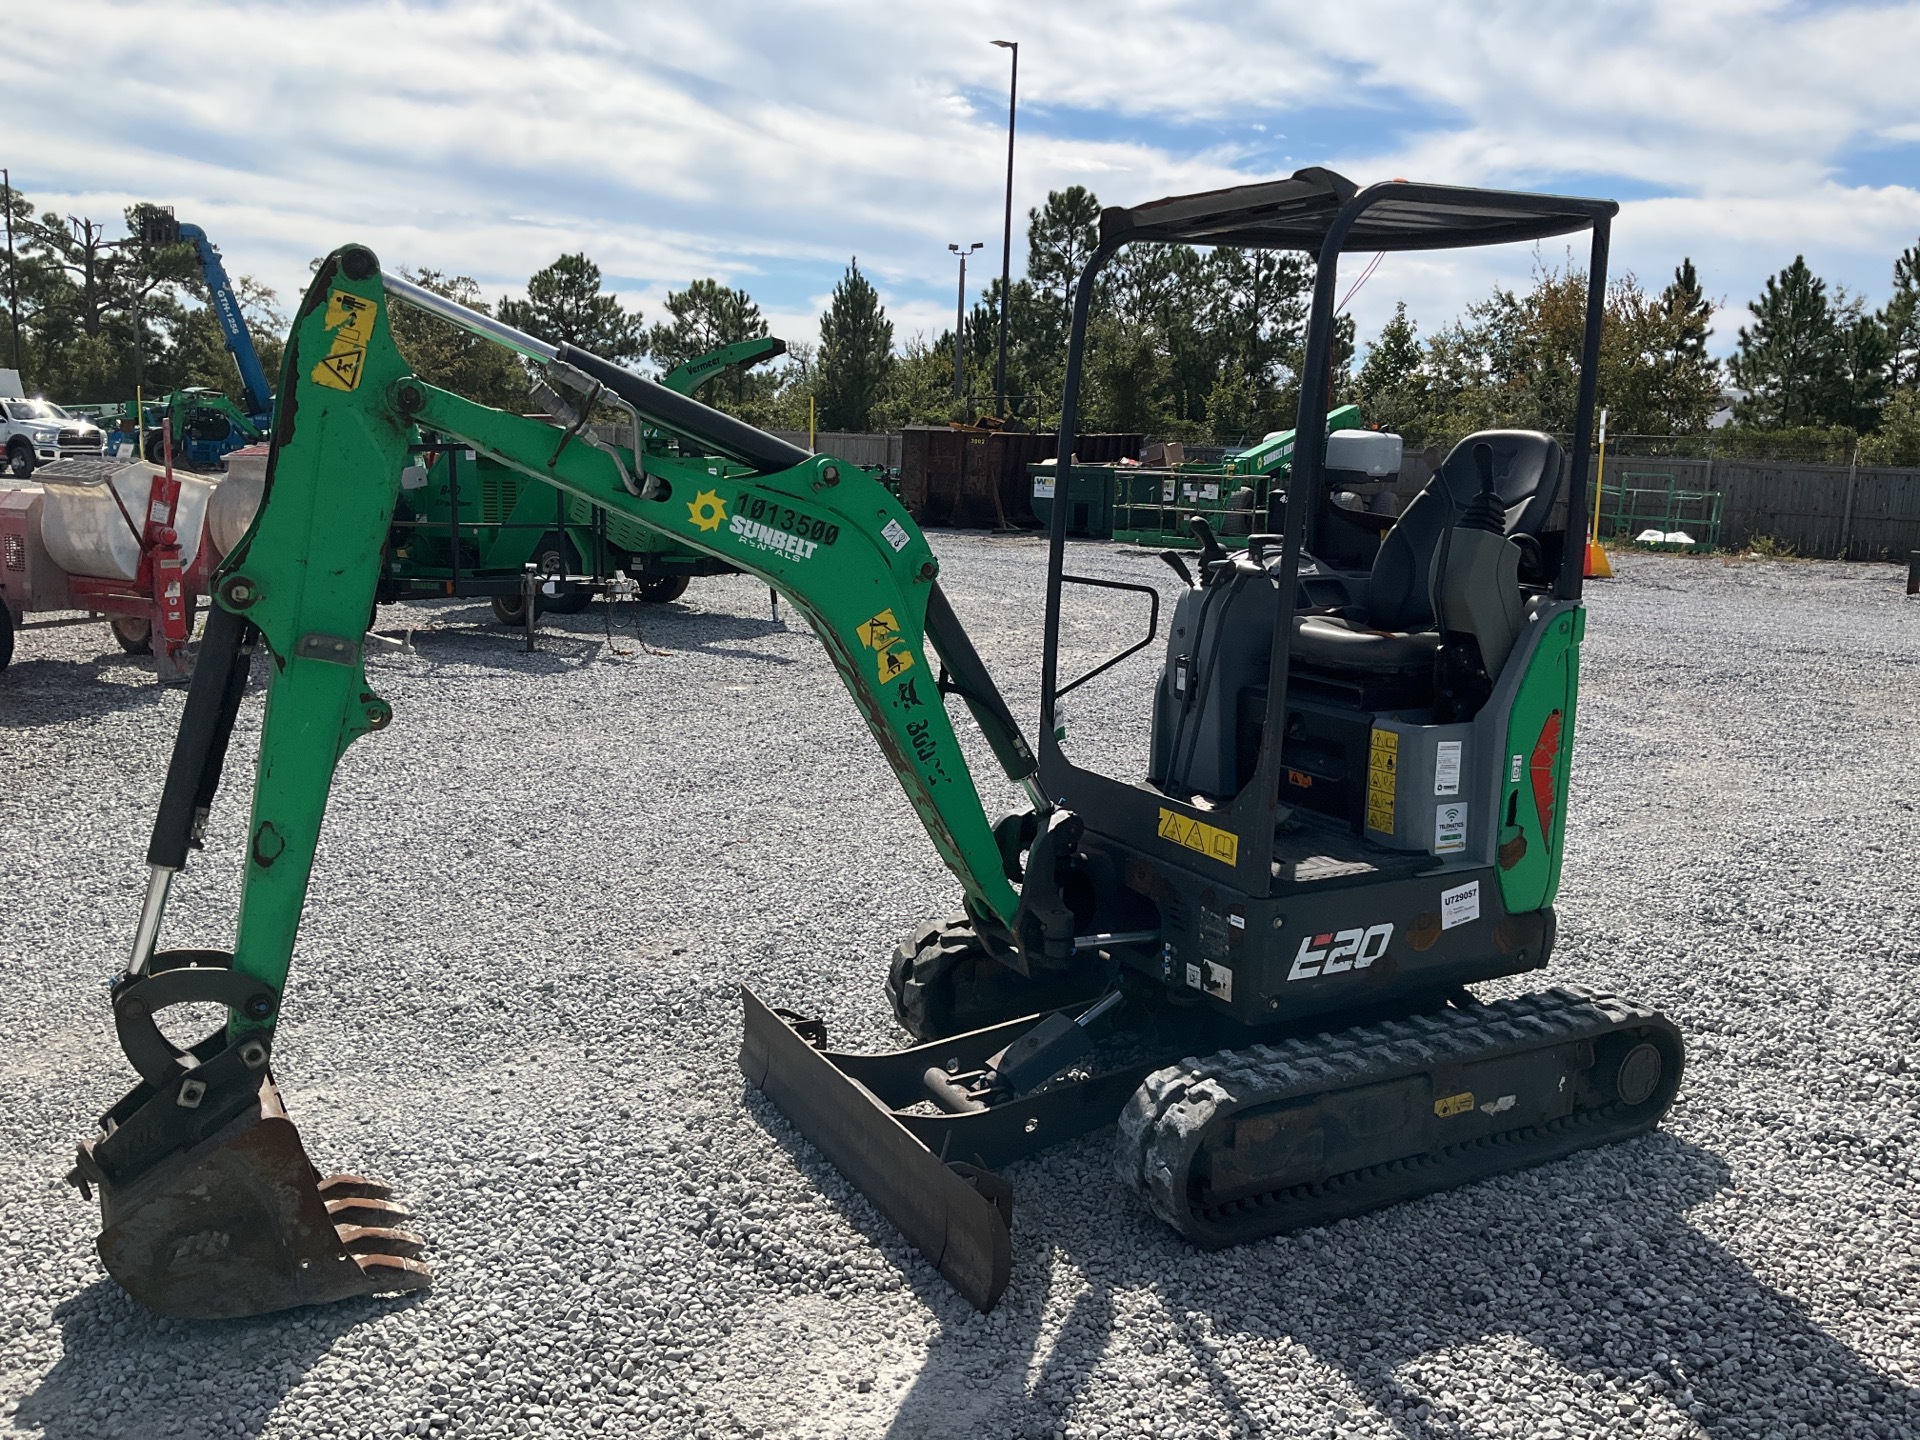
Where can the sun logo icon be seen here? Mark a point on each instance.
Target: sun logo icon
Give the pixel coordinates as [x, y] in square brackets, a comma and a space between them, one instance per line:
[707, 510]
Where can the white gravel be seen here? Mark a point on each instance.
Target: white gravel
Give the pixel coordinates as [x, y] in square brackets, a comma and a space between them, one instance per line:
[516, 998]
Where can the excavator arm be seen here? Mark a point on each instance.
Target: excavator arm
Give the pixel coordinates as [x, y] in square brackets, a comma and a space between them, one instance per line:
[202, 1147]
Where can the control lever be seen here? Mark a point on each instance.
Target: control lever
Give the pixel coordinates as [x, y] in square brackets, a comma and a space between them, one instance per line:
[1212, 552]
[1179, 564]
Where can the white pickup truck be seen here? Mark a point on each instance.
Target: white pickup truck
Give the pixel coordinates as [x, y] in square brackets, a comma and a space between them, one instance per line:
[32, 432]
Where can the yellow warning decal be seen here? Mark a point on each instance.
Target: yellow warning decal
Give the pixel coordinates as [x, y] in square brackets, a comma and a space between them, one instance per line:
[350, 317]
[1208, 840]
[893, 657]
[1383, 769]
[1453, 1104]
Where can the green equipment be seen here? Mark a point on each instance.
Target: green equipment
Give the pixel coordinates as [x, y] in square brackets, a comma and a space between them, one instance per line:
[1254, 958]
[469, 524]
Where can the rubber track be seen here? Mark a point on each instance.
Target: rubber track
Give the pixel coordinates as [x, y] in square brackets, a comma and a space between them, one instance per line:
[1165, 1127]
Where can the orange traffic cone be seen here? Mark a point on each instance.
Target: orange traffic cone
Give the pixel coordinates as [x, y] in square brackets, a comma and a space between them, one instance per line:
[1598, 566]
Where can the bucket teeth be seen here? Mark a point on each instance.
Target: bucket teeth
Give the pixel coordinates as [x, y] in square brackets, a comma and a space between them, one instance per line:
[353, 1187]
[242, 1224]
[368, 1212]
[370, 1242]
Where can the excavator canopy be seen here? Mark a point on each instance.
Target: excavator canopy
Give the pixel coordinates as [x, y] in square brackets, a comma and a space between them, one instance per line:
[1299, 212]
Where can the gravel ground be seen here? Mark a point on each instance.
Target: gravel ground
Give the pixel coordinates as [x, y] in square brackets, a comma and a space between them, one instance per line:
[516, 997]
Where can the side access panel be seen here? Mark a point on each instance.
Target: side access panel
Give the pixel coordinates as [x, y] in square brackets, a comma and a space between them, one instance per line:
[1538, 767]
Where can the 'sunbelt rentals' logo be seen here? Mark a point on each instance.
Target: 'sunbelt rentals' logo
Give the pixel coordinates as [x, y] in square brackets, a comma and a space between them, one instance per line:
[765, 537]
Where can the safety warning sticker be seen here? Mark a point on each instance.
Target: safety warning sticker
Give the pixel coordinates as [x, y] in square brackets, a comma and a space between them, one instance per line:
[896, 535]
[1448, 1105]
[1208, 840]
[350, 317]
[892, 656]
[1446, 768]
[1383, 768]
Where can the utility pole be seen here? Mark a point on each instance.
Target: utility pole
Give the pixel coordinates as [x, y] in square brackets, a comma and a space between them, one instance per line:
[13, 273]
[960, 323]
[1006, 239]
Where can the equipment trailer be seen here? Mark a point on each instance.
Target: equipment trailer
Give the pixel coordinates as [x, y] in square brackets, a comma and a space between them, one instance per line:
[1354, 808]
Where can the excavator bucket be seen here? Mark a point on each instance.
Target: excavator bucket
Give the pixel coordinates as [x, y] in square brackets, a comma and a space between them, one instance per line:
[242, 1224]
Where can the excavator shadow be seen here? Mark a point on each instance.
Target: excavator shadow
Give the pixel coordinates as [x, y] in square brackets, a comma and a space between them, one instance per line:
[568, 642]
[48, 692]
[1592, 1262]
[211, 1379]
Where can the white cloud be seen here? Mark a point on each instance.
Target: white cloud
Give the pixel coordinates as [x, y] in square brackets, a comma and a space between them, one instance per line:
[766, 144]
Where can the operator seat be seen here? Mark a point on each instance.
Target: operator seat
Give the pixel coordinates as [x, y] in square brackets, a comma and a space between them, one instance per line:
[1392, 628]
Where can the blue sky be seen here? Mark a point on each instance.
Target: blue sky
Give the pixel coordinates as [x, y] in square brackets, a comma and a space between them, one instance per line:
[765, 144]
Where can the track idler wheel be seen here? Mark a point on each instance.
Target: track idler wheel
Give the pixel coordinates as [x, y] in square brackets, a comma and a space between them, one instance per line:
[942, 981]
[242, 1224]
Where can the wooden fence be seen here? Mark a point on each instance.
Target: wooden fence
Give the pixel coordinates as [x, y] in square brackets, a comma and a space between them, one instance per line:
[1831, 512]
[854, 449]
[1863, 512]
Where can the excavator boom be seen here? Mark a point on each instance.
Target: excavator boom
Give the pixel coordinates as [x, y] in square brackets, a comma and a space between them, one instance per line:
[211, 1206]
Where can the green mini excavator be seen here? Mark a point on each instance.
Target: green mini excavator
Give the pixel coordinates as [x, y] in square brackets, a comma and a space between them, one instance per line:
[1254, 958]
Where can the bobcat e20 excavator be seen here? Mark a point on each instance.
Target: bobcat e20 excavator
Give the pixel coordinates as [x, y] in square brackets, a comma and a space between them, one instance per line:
[1254, 958]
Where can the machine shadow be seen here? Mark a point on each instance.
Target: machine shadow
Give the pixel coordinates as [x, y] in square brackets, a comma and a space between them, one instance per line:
[1671, 1316]
[110, 1342]
[1676, 1322]
[571, 641]
[41, 692]
[947, 1397]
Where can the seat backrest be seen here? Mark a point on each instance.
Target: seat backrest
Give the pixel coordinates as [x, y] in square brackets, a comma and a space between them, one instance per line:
[1527, 472]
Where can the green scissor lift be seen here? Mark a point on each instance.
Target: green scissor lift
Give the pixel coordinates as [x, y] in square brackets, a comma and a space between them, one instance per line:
[1138, 505]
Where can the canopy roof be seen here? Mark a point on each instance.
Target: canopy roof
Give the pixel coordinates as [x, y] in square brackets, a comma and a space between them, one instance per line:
[1296, 214]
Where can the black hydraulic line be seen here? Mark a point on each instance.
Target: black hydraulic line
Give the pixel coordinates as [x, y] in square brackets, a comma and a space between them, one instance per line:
[971, 680]
[1573, 549]
[200, 749]
[684, 415]
[1062, 478]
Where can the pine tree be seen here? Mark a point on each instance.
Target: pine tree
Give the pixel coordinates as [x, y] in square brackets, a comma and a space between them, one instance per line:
[856, 353]
[1787, 360]
[1061, 237]
[1684, 384]
[1901, 319]
[564, 306]
[1390, 388]
[707, 315]
[1860, 354]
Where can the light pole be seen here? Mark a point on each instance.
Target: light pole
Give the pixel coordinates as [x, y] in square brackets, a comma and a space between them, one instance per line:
[960, 323]
[1006, 239]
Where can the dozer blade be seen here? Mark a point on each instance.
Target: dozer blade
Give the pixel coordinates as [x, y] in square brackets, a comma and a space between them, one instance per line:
[957, 1215]
[242, 1224]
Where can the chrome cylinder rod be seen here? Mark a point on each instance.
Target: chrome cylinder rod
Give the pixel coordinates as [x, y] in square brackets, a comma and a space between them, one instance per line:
[454, 313]
[147, 935]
